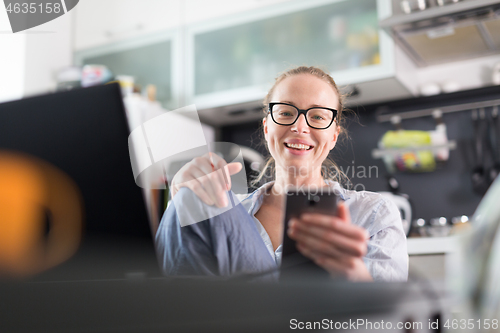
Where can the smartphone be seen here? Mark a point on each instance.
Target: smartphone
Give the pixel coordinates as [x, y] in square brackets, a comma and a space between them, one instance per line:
[293, 263]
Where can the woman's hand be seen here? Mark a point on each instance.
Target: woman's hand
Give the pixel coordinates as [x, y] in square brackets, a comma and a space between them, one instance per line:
[208, 177]
[333, 243]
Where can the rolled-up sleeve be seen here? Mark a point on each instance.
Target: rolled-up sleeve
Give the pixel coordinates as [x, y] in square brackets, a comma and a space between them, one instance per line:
[211, 241]
[387, 253]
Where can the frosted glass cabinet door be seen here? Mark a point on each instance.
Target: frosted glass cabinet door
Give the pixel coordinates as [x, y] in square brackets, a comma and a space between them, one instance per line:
[148, 62]
[335, 35]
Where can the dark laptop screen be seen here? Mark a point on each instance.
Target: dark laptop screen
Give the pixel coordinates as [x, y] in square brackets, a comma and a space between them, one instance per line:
[84, 133]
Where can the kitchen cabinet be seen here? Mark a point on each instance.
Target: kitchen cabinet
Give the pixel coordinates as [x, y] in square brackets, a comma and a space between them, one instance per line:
[235, 59]
[149, 59]
[228, 63]
[101, 23]
[432, 245]
[432, 257]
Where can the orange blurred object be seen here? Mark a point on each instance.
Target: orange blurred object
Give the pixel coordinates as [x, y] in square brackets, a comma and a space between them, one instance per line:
[31, 191]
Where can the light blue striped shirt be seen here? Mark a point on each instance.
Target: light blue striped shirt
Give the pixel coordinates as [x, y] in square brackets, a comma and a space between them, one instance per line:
[387, 254]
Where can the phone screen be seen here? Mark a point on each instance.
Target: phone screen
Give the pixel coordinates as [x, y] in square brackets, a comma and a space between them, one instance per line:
[294, 264]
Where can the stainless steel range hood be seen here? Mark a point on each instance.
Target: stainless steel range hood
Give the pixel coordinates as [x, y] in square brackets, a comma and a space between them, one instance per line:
[457, 31]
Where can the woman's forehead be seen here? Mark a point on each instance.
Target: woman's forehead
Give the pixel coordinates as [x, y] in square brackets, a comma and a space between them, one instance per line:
[306, 90]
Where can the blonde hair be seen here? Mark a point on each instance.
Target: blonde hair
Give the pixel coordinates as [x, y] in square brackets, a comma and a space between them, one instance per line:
[329, 169]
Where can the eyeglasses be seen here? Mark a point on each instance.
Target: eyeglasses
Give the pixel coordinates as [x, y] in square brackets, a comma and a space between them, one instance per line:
[286, 114]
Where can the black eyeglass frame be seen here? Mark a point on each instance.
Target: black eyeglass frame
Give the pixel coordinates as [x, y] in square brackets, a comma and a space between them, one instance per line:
[304, 112]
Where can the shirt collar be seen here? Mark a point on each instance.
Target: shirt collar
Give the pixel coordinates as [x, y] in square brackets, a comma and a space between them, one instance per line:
[342, 192]
[257, 197]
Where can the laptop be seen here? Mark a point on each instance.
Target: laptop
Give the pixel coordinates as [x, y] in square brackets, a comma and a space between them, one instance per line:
[84, 133]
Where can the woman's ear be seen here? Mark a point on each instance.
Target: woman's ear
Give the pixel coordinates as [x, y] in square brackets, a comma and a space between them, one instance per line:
[264, 124]
[335, 137]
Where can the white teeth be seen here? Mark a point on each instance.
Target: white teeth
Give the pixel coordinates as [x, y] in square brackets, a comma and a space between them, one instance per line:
[297, 146]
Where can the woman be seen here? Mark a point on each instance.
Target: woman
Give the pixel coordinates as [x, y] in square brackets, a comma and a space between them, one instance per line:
[303, 121]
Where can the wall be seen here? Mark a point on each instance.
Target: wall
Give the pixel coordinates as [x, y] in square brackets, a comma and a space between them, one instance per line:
[445, 192]
[33, 57]
[12, 61]
[48, 49]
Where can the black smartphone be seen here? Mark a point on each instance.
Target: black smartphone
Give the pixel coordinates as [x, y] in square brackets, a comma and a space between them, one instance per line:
[293, 263]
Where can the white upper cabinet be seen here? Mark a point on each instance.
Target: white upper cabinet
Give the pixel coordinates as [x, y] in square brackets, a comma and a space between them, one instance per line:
[148, 59]
[224, 55]
[236, 58]
[100, 22]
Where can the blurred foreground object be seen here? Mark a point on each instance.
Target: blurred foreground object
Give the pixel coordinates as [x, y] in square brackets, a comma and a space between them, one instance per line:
[478, 273]
[84, 132]
[30, 191]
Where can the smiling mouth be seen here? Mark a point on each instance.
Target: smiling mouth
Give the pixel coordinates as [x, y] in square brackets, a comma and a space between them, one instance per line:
[298, 146]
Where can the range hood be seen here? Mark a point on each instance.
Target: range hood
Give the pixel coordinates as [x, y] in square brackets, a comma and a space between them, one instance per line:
[440, 34]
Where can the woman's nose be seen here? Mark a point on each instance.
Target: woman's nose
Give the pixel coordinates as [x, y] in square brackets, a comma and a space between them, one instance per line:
[300, 125]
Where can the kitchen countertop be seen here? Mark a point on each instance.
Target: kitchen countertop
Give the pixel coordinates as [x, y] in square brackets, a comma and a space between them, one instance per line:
[432, 245]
